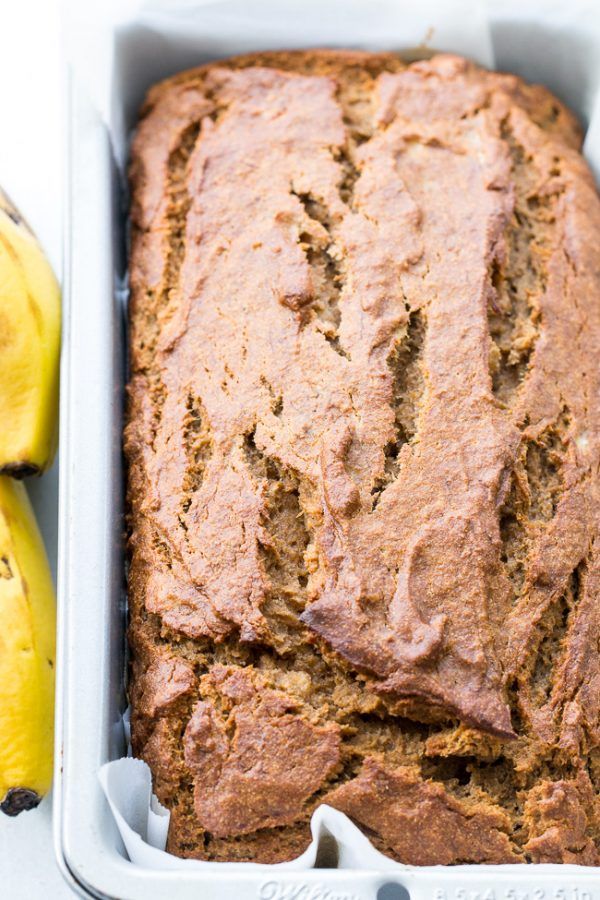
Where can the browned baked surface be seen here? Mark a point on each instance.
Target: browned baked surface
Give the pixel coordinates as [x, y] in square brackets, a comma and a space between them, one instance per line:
[363, 460]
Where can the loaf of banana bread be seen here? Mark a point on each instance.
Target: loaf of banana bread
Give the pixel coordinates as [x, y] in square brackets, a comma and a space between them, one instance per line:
[363, 447]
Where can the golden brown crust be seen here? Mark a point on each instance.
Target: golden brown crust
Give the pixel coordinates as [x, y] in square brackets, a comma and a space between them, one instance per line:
[363, 454]
[255, 756]
[420, 822]
[563, 819]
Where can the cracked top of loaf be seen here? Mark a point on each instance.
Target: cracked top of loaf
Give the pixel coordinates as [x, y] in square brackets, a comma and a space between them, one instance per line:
[363, 459]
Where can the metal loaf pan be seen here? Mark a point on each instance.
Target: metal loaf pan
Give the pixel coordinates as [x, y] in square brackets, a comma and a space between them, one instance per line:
[91, 696]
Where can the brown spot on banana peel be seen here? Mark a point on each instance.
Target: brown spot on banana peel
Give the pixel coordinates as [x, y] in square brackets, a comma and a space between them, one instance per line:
[5, 568]
[12, 212]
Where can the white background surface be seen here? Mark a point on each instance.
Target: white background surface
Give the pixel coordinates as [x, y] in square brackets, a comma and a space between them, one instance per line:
[31, 172]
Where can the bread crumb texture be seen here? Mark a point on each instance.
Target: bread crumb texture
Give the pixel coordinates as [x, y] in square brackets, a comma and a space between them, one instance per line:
[363, 433]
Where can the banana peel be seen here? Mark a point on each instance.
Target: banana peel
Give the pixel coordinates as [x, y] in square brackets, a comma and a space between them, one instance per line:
[27, 654]
[29, 349]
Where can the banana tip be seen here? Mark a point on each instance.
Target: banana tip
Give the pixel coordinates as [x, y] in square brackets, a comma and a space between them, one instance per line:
[20, 470]
[17, 800]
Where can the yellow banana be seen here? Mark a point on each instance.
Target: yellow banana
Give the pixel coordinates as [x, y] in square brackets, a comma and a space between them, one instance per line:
[29, 349]
[27, 643]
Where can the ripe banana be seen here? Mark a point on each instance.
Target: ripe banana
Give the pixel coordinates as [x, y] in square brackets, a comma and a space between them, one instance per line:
[27, 623]
[29, 349]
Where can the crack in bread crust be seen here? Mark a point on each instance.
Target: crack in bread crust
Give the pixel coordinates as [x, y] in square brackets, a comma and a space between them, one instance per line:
[363, 442]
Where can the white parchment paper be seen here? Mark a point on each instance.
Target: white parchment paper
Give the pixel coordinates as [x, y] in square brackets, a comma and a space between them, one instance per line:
[143, 824]
[124, 47]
